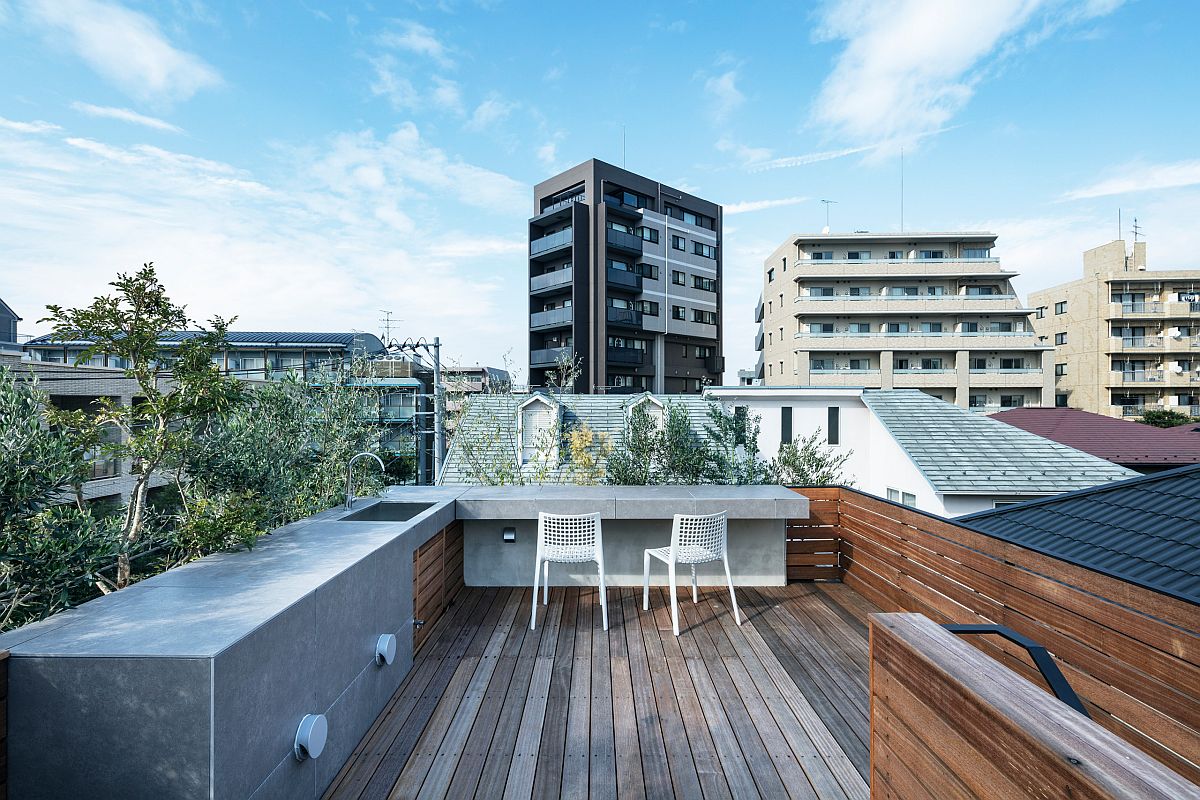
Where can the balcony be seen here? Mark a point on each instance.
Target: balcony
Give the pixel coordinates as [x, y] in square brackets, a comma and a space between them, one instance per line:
[759, 311]
[714, 364]
[760, 339]
[550, 244]
[1138, 376]
[624, 317]
[550, 282]
[1150, 308]
[555, 318]
[623, 279]
[884, 268]
[616, 206]
[550, 357]
[1140, 343]
[626, 355]
[919, 340]
[621, 240]
[906, 304]
[1136, 410]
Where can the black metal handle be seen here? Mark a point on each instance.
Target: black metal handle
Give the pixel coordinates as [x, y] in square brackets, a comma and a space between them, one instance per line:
[1041, 659]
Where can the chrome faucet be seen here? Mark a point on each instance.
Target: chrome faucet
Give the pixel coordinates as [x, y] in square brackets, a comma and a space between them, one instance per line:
[350, 475]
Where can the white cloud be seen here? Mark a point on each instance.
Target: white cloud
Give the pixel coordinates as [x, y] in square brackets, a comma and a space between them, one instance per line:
[758, 205]
[490, 112]
[126, 47]
[413, 37]
[743, 153]
[398, 89]
[723, 95]
[910, 65]
[547, 154]
[126, 115]
[1138, 177]
[37, 126]
[447, 95]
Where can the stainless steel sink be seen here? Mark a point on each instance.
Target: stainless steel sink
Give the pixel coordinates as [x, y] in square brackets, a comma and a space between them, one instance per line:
[386, 512]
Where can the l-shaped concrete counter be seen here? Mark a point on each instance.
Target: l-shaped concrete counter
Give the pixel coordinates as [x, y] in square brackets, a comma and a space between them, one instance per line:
[192, 683]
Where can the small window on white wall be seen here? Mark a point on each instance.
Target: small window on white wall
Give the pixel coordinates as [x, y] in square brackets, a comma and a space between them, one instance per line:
[903, 498]
[537, 420]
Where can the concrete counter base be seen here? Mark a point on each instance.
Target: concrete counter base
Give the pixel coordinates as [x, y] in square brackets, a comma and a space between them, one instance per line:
[756, 555]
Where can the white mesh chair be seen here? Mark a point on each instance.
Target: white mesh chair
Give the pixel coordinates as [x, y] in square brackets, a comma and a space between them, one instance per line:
[567, 539]
[694, 540]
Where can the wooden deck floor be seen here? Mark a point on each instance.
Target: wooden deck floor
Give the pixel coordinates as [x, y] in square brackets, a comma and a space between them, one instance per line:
[775, 708]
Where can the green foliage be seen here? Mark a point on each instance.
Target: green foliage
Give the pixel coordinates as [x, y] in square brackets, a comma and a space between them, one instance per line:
[211, 524]
[809, 462]
[650, 454]
[1163, 418]
[587, 452]
[733, 448]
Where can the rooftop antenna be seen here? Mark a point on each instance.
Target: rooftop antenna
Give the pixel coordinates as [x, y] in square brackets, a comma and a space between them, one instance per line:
[1137, 230]
[902, 190]
[827, 203]
[387, 326]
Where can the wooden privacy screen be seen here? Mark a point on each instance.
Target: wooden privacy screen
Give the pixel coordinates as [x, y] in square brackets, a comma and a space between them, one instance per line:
[812, 544]
[437, 577]
[948, 721]
[1131, 654]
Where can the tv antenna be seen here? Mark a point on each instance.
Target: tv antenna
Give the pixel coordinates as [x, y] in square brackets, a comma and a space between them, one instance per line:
[387, 326]
[1137, 229]
[827, 203]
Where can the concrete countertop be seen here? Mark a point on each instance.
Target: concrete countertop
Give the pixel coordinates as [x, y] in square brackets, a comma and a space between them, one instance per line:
[631, 502]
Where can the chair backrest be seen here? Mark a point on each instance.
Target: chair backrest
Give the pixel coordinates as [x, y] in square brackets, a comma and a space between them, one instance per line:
[569, 537]
[695, 536]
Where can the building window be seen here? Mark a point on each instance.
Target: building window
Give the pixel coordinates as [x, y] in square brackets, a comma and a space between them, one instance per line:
[1040, 312]
[1060, 307]
[860, 327]
[978, 362]
[821, 365]
[770, 276]
[931, 363]
[900, 364]
[977, 401]
[1012, 363]
[678, 312]
[678, 243]
[895, 255]
[649, 307]
[785, 424]
[678, 277]
[770, 370]
[821, 255]
[861, 291]
[896, 327]
[903, 498]
[704, 284]
[931, 327]
[704, 317]
[858, 255]
[820, 291]
[770, 337]
[820, 327]
[1060, 401]
[613, 225]
[1060, 370]
[1012, 400]
[937, 254]
[785, 263]
[970, 327]
[860, 363]
[647, 271]
[903, 291]
[705, 351]
[649, 234]
[1060, 338]
[1001, 327]
[935, 291]
[976, 252]
[981, 291]
[833, 430]
[706, 250]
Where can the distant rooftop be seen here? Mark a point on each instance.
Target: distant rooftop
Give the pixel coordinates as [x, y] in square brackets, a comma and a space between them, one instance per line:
[963, 452]
[1142, 530]
[249, 339]
[1119, 441]
[892, 236]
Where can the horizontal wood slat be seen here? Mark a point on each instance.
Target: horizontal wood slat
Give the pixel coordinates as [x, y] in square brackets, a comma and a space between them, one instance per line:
[947, 721]
[437, 578]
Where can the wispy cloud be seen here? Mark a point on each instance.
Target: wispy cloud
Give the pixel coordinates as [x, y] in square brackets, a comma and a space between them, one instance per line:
[126, 47]
[758, 205]
[808, 158]
[1139, 177]
[746, 154]
[447, 95]
[413, 37]
[37, 126]
[909, 66]
[126, 115]
[491, 111]
[723, 95]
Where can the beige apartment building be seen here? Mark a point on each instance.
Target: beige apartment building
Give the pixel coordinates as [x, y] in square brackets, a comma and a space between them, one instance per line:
[929, 311]
[1125, 339]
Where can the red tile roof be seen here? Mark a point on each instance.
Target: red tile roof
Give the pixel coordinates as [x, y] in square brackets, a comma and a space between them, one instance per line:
[1121, 441]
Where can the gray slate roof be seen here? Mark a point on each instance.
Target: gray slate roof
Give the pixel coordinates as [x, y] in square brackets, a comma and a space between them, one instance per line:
[1145, 530]
[963, 452]
[262, 338]
[490, 422]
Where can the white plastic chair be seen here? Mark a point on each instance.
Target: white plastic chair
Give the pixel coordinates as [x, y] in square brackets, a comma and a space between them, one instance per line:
[694, 540]
[567, 539]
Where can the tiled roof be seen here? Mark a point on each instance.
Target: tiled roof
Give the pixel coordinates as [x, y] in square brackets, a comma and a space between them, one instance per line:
[1120, 441]
[490, 423]
[1145, 530]
[963, 452]
[263, 338]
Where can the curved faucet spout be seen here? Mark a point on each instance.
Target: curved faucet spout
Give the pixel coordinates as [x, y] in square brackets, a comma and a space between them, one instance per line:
[350, 475]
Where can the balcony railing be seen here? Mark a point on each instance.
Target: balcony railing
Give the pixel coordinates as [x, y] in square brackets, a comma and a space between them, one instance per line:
[1010, 371]
[842, 371]
[626, 355]
[906, 297]
[623, 240]
[803, 334]
[627, 317]
[553, 318]
[1140, 342]
[809, 262]
[714, 364]
[1141, 376]
[550, 356]
[1152, 307]
[624, 279]
[758, 311]
[578, 198]
[560, 278]
[760, 339]
[919, 371]
[550, 242]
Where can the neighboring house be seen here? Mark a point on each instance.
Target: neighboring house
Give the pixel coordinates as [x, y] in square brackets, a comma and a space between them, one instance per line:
[929, 311]
[1131, 444]
[917, 450]
[1125, 338]
[8, 330]
[529, 430]
[1142, 530]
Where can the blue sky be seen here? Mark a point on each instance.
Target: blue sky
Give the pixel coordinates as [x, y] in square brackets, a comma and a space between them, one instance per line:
[309, 164]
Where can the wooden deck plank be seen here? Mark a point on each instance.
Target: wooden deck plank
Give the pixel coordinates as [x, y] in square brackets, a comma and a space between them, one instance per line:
[577, 745]
[627, 759]
[655, 771]
[602, 776]
[547, 781]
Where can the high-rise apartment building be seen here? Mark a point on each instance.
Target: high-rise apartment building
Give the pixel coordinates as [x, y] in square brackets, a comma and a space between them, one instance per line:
[625, 276]
[930, 311]
[1125, 339]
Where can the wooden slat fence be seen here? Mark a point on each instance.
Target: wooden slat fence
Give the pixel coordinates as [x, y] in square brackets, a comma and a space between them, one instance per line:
[948, 721]
[437, 577]
[1132, 655]
[813, 543]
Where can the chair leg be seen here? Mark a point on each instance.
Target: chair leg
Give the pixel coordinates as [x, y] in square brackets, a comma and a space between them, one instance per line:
[537, 568]
[603, 597]
[695, 596]
[545, 583]
[646, 584]
[674, 598]
[737, 615]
